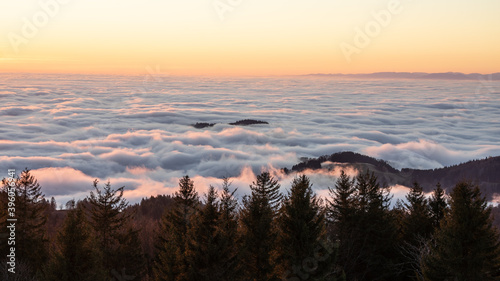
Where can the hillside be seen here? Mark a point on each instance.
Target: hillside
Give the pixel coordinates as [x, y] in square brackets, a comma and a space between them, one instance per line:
[483, 172]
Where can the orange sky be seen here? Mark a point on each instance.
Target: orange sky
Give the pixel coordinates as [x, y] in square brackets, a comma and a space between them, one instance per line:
[274, 37]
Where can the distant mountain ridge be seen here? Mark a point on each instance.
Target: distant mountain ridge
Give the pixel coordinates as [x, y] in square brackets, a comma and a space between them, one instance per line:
[417, 75]
[484, 172]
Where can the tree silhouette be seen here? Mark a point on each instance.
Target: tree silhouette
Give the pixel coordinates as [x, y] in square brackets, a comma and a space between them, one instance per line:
[416, 229]
[267, 187]
[111, 225]
[342, 210]
[171, 261]
[438, 205]
[76, 256]
[31, 241]
[227, 228]
[204, 240]
[418, 222]
[301, 241]
[374, 232]
[466, 247]
[258, 234]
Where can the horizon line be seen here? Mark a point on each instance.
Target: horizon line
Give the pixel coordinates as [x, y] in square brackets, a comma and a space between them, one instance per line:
[166, 74]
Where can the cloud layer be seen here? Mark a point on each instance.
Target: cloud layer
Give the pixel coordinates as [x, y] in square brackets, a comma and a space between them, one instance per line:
[136, 132]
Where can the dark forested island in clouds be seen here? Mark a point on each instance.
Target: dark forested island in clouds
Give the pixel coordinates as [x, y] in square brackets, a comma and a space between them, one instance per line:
[415, 75]
[244, 122]
[484, 172]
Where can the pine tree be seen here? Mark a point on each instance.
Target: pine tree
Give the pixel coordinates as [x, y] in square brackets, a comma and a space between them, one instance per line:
[342, 211]
[228, 232]
[31, 232]
[53, 204]
[4, 235]
[267, 187]
[171, 261]
[111, 225]
[466, 247]
[438, 205]
[71, 204]
[132, 264]
[418, 222]
[301, 240]
[416, 230]
[76, 256]
[203, 243]
[373, 240]
[257, 232]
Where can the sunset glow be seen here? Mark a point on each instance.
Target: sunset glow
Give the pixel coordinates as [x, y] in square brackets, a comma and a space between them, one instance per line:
[160, 140]
[249, 37]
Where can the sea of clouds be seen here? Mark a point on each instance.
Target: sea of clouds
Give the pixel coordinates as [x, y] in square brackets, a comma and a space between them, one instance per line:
[136, 131]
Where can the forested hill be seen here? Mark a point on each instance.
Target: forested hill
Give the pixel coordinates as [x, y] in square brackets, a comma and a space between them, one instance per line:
[343, 158]
[484, 172]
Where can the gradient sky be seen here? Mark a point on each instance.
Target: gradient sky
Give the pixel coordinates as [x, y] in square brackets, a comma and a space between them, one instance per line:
[256, 37]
